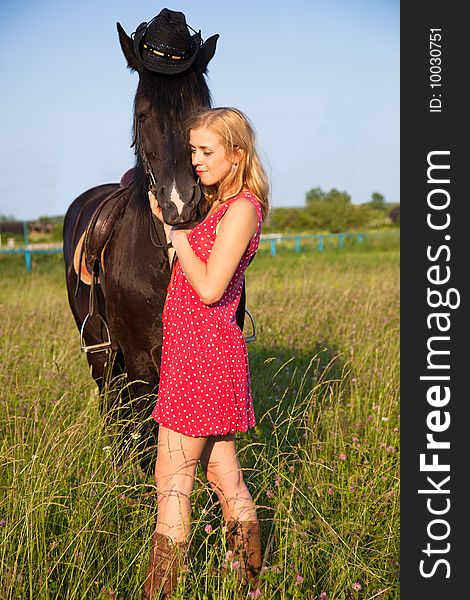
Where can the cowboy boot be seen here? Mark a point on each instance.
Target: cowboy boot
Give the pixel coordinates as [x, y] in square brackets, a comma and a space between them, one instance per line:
[244, 541]
[166, 560]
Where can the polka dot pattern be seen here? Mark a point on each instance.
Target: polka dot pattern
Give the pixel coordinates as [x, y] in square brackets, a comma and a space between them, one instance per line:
[205, 377]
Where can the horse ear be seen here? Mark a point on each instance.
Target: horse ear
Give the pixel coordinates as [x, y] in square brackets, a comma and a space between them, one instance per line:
[127, 46]
[207, 51]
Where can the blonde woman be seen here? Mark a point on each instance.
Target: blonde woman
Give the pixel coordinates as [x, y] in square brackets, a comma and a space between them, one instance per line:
[204, 395]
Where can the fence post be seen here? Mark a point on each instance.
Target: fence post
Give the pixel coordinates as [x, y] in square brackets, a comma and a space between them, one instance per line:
[297, 244]
[27, 251]
[320, 243]
[273, 247]
[341, 240]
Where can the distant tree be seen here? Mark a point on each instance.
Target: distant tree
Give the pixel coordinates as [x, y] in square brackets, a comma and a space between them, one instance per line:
[314, 195]
[377, 200]
[337, 216]
[334, 195]
[394, 215]
[7, 219]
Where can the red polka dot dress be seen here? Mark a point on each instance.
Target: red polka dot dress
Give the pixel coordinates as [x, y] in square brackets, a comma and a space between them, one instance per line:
[204, 376]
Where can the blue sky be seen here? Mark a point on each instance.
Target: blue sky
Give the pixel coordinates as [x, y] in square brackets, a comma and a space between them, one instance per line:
[319, 80]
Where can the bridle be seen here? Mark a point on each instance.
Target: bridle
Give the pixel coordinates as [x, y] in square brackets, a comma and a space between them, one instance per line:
[137, 142]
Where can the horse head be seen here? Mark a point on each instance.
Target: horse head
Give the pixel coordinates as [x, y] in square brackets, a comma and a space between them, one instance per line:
[162, 103]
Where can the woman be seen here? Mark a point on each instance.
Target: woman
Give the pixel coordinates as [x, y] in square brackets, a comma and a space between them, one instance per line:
[204, 395]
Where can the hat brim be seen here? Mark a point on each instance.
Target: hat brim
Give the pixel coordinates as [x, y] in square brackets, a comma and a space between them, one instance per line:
[160, 64]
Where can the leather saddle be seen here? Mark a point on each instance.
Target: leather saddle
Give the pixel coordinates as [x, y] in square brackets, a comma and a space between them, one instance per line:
[92, 243]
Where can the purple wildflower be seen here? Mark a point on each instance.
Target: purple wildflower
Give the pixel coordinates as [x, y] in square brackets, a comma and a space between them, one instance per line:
[342, 456]
[323, 596]
[208, 528]
[299, 579]
[356, 586]
[270, 494]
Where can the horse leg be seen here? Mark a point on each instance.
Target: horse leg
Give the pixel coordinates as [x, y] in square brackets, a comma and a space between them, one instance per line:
[143, 377]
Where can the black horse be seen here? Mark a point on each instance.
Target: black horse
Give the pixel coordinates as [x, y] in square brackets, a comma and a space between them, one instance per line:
[131, 283]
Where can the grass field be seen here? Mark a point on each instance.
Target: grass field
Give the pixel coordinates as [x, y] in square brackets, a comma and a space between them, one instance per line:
[322, 464]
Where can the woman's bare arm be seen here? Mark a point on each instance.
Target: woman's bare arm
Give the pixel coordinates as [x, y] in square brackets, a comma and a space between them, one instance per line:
[210, 280]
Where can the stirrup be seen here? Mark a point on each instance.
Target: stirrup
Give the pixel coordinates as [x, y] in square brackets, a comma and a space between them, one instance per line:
[252, 337]
[94, 347]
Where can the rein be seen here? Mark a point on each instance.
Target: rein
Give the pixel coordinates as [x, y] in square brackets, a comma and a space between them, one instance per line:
[151, 180]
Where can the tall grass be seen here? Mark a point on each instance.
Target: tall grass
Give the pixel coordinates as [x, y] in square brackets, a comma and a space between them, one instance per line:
[322, 463]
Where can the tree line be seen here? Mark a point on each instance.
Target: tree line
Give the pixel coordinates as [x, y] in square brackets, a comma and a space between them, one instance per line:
[330, 211]
[333, 212]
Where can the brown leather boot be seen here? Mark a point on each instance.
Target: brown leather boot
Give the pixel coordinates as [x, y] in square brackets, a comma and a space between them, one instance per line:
[244, 540]
[166, 559]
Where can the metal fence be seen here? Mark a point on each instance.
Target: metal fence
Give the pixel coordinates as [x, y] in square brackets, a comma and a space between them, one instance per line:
[272, 240]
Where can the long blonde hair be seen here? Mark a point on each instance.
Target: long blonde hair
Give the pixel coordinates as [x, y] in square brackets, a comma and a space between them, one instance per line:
[235, 132]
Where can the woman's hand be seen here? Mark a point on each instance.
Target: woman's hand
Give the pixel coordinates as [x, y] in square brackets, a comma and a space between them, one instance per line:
[157, 211]
[174, 233]
[155, 208]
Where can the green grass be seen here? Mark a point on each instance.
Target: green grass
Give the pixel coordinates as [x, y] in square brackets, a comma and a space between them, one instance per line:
[322, 464]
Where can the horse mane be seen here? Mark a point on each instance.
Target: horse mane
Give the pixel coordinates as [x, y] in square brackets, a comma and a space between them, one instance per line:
[174, 96]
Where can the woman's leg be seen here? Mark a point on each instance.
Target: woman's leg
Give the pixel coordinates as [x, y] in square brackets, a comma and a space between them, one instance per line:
[223, 472]
[177, 459]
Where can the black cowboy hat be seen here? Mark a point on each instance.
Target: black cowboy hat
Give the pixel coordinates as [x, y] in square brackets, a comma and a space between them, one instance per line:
[165, 45]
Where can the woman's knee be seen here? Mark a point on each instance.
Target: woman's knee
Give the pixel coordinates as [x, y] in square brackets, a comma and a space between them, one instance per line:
[226, 484]
[180, 484]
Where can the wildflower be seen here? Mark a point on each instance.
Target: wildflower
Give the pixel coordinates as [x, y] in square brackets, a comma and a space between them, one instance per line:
[135, 436]
[228, 555]
[390, 449]
[323, 596]
[236, 565]
[2, 523]
[255, 593]
[208, 528]
[270, 494]
[384, 418]
[342, 456]
[356, 586]
[277, 481]
[354, 380]
[299, 579]
[351, 488]
[355, 439]
[375, 407]
[370, 417]
[330, 491]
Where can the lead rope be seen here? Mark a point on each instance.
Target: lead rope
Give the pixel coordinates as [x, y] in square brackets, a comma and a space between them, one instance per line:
[151, 181]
